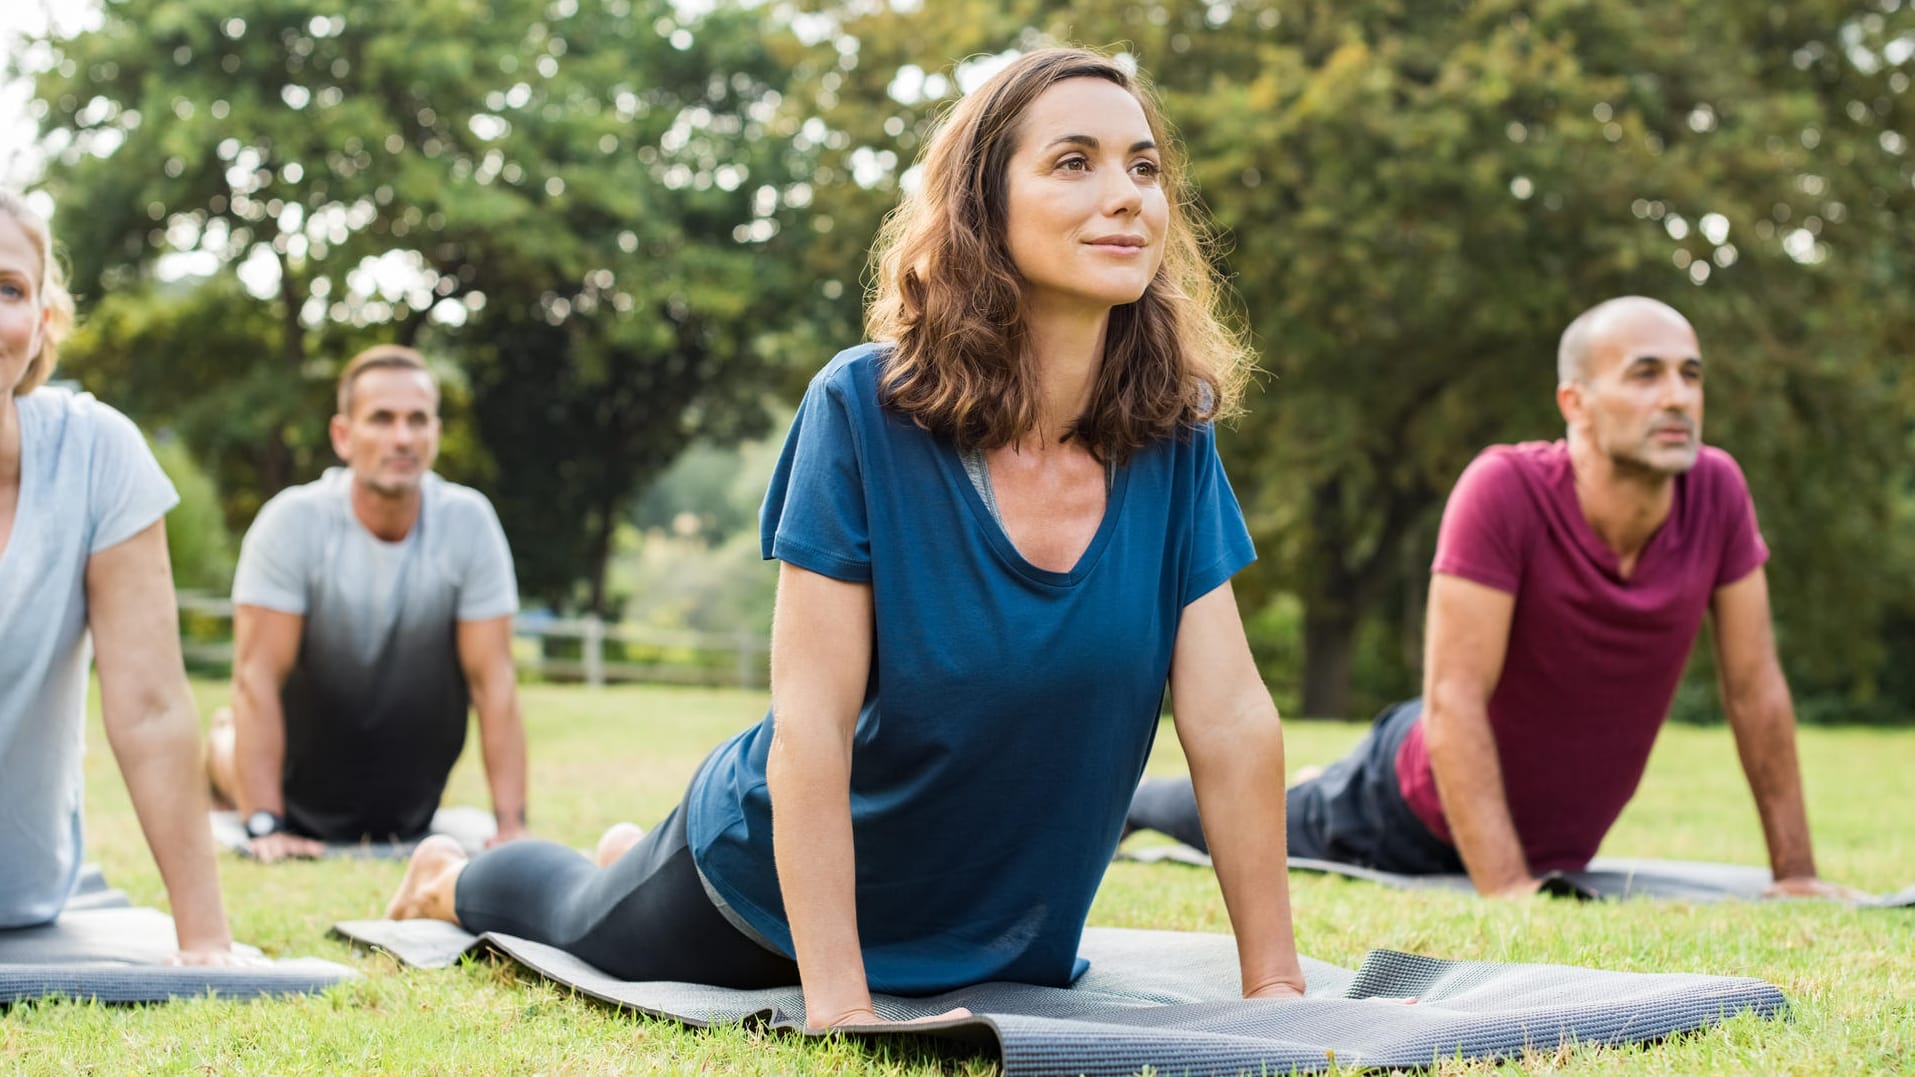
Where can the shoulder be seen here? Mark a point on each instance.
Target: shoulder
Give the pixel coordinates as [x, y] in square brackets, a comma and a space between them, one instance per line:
[1715, 467]
[1503, 476]
[81, 417]
[303, 506]
[1523, 462]
[1717, 481]
[852, 374]
[458, 503]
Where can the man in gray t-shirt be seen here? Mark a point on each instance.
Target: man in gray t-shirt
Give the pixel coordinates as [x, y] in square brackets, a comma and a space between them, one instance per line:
[370, 608]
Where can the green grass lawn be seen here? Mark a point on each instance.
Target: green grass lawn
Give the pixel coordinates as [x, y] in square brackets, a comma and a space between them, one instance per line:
[626, 753]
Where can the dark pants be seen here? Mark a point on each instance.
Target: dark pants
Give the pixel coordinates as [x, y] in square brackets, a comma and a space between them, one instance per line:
[1352, 813]
[644, 917]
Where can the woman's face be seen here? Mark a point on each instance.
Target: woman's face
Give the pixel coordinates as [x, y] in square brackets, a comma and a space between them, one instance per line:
[22, 316]
[1086, 210]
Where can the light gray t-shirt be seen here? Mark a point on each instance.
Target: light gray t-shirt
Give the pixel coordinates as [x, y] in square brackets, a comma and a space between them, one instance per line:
[87, 482]
[376, 702]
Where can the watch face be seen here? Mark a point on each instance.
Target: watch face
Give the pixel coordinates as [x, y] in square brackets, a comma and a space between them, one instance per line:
[261, 823]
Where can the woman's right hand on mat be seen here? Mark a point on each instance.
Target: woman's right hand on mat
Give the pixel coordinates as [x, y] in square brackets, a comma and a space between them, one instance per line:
[870, 1017]
[284, 846]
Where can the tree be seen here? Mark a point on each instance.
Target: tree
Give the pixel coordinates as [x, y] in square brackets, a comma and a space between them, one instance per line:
[1418, 198]
[576, 202]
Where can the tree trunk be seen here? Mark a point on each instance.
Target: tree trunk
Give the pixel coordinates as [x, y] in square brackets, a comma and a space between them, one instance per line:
[1329, 646]
[598, 552]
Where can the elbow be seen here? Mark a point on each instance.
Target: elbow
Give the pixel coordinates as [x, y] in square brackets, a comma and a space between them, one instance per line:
[151, 716]
[1451, 720]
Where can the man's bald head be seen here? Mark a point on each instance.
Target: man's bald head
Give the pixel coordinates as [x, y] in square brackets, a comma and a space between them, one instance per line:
[1602, 322]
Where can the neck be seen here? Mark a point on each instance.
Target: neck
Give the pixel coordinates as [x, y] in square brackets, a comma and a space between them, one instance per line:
[1624, 504]
[388, 516]
[9, 441]
[1068, 348]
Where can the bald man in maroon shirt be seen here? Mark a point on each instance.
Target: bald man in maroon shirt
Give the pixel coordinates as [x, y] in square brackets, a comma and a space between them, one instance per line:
[1569, 583]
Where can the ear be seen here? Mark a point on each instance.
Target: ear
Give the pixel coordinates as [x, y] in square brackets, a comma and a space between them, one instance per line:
[1569, 401]
[338, 428]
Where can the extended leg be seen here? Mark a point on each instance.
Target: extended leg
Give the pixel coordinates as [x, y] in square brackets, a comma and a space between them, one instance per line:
[1169, 806]
[222, 772]
[646, 916]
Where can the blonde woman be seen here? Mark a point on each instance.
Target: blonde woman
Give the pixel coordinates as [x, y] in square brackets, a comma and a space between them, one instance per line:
[83, 550]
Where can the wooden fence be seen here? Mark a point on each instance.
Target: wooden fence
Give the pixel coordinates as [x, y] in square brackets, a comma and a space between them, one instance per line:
[584, 650]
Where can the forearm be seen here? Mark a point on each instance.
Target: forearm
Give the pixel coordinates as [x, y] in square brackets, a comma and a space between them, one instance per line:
[502, 745]
[1764, 725]
[1239, 784]
[158, 750]
[1469, 780]
[809, 778]
[259, 742]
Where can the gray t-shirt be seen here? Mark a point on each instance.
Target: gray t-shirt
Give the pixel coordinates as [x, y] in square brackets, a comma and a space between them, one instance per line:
[87, 482]
[376, 701]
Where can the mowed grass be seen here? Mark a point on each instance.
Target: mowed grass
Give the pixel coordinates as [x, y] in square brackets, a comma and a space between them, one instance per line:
[626, 753]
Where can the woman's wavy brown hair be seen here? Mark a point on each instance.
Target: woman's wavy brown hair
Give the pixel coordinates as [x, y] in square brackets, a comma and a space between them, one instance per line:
[949, 299]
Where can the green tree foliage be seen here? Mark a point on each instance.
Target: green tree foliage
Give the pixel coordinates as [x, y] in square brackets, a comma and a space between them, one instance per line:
[1418, 197]
[197, 541]
[579, 202]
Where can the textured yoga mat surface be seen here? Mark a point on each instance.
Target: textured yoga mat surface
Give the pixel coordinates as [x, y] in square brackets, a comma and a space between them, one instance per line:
[1169, 1000]
[103, 948]
[1611, 878]
[470, 827]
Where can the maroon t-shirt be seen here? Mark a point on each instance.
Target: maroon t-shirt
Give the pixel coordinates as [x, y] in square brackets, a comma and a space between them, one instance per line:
[1593, 659]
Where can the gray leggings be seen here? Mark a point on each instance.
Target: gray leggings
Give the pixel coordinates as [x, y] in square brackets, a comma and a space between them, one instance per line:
[644, 917]
[1352, 813]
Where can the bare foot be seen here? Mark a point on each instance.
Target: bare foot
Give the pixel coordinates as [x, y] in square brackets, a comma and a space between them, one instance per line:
[432, 875]
[221, 775]
[617, 840]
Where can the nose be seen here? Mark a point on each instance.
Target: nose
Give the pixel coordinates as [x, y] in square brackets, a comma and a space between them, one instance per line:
[1121, 196]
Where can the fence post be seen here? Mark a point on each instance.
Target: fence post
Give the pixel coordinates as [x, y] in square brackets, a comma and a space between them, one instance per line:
[592, 643]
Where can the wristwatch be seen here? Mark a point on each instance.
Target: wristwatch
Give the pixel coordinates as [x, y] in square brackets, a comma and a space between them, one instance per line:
[261, 823]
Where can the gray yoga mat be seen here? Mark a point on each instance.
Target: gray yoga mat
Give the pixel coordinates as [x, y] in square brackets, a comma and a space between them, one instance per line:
[1169, 1000]
[1606, 878]
[470, 827]
[103, 948]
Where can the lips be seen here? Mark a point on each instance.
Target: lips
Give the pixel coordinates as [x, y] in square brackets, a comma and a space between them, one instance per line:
[1127, 242]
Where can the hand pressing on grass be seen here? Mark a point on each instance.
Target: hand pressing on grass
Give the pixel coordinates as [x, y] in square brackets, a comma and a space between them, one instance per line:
[283, 845]
[869, 1016]
[1810, 886]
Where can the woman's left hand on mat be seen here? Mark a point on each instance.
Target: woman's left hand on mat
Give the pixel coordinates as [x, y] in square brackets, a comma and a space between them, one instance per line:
[221, 957]
[870, 1017]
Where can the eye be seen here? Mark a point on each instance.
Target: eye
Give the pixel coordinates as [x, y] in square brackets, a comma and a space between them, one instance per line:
[12, 290]
[1076, 162]
[1147, 169]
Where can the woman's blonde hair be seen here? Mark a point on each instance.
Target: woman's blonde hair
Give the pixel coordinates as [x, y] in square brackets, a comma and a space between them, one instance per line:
[51, 292]
[949, 298]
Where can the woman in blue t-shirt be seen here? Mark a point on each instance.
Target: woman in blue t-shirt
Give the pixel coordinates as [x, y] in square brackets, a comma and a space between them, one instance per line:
[83, 551]
[1002, 531]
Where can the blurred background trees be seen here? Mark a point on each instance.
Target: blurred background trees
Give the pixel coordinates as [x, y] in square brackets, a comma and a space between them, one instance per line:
[627, 227]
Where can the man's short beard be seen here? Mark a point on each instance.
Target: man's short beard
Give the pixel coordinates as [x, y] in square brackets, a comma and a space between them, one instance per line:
[1636, 465]
[390, 489]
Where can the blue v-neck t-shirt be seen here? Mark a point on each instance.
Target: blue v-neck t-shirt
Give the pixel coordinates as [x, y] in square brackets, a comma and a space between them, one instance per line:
[1009, 710]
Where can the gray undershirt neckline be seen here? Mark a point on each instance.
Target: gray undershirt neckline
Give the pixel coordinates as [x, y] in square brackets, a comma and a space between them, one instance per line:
[979, 470]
